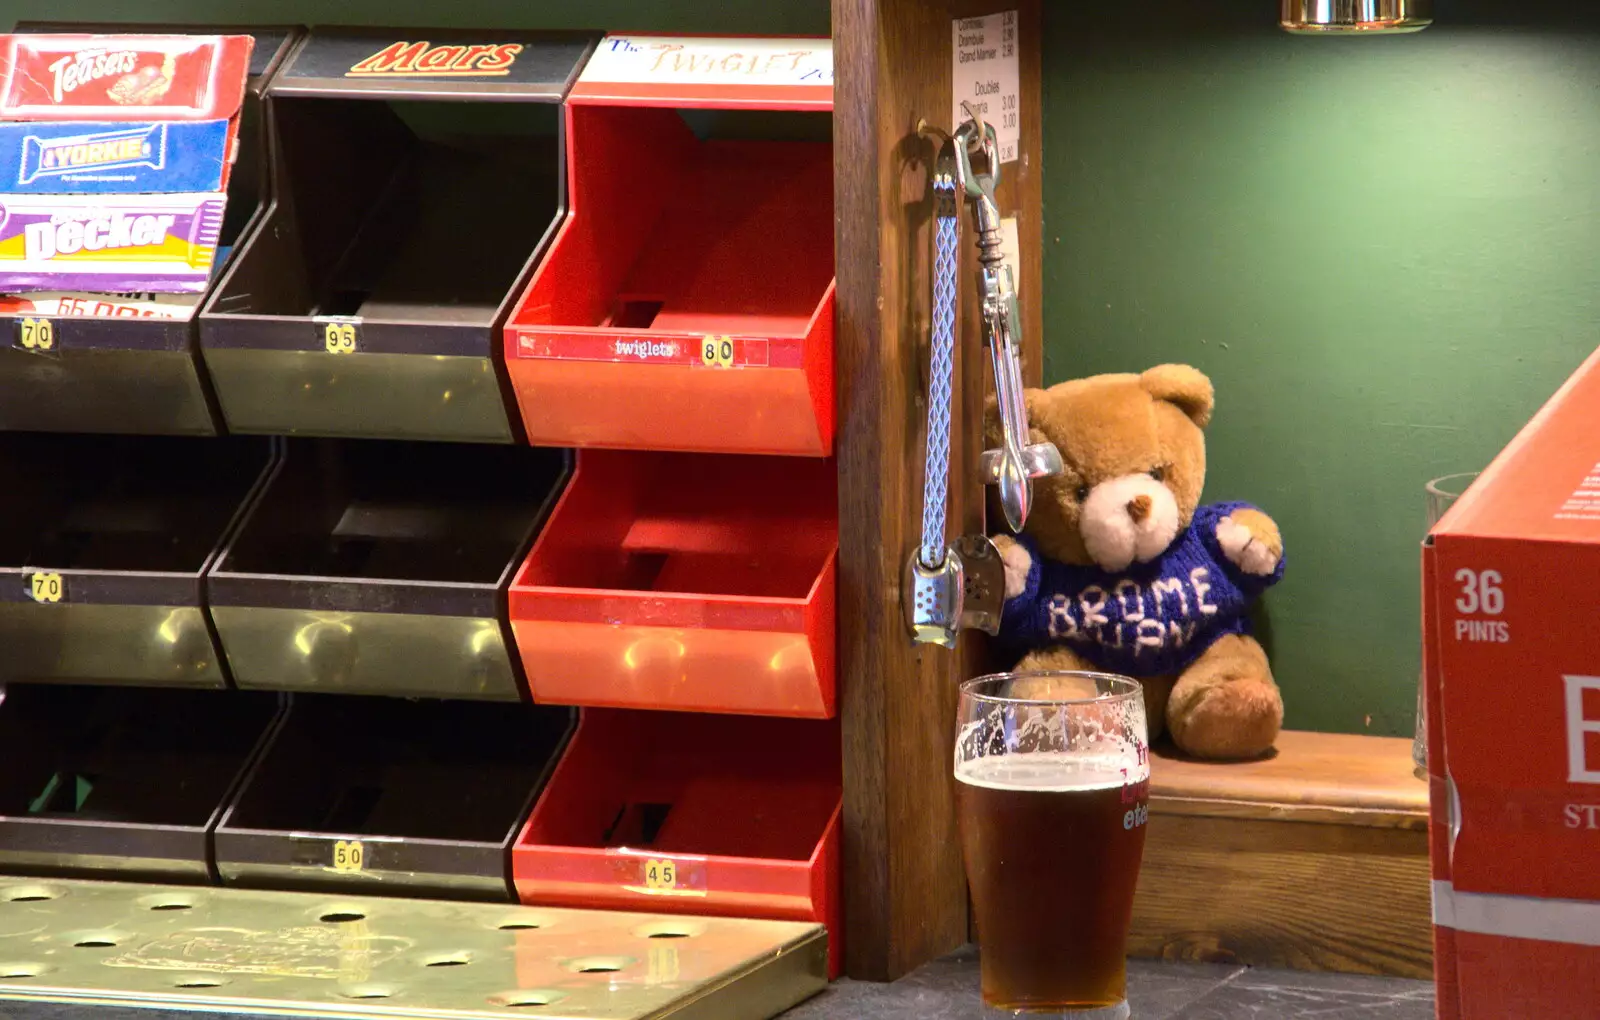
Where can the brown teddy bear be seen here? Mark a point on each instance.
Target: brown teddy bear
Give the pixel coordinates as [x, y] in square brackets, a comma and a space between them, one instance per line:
[1121, 570]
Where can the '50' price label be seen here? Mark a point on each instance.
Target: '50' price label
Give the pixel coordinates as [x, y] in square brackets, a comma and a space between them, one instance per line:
[349, 855]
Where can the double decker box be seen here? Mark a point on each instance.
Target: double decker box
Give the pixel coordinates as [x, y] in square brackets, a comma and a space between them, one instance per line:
[118, 151]
[1511, 627]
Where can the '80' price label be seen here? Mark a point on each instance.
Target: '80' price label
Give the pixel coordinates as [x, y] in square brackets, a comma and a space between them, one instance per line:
[717, 352]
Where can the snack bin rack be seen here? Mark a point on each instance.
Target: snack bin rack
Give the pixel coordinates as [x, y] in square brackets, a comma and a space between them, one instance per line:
[123, 783]
[684, 581]
[419, 178]
[689, 813]
[116, 373]
[388, 796]
[379, 567]
[104, 546]
[687, 301]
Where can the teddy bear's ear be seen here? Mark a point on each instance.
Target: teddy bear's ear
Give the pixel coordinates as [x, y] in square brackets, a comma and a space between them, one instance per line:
[1184, 386]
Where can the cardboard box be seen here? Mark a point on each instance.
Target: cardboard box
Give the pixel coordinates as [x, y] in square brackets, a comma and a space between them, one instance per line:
[109, 242]
[1511, 632]
[113, 158]
[122, 146]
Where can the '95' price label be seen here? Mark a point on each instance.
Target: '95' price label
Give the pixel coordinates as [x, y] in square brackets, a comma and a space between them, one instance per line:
[658, 875]
[339, 336]
[45, 588]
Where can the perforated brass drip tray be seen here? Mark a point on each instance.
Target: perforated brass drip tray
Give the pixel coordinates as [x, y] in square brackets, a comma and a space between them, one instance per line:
[302, 954]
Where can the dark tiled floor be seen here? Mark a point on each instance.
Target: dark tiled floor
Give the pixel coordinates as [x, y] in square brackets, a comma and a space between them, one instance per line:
[947, 989]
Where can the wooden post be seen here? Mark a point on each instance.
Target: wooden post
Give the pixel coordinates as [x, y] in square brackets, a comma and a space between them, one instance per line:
[905, 899]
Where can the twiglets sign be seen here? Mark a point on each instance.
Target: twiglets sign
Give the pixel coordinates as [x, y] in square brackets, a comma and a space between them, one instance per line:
[1512, 662]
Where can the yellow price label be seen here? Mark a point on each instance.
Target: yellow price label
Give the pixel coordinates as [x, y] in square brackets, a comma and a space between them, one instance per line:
[348, 855]
[36, 334]
[716, 352]
[46, 587]
[660, 875]
[339, 337]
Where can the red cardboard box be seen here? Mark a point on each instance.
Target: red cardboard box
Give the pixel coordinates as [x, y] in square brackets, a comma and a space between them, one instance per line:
[1511, 632]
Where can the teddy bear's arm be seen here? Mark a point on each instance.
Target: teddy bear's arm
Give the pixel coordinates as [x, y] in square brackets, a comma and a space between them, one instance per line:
[1251, 540]
[1018, 563]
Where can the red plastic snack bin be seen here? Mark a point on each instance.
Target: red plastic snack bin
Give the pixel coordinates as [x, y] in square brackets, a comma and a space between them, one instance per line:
[684, 582]
[1512, 669]
[692, 814]
[687, 300]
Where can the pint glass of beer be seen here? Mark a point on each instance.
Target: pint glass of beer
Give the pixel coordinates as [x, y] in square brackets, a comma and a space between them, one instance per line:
[1053, 781]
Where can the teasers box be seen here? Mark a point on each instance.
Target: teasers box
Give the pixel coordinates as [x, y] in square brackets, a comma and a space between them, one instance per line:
[115, 152]
[1511, 637]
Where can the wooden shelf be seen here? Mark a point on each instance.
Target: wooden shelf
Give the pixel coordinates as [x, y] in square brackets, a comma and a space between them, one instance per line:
[1315, 859]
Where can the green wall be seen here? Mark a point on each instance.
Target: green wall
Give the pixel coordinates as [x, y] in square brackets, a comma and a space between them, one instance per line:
[1384, 251]
[1380, 249]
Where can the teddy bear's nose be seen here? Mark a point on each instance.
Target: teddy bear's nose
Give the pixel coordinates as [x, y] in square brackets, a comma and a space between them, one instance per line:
[1139, 508]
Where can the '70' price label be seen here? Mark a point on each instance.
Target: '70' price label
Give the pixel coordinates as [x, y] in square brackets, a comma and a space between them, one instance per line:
[36, 334]
[46, 587]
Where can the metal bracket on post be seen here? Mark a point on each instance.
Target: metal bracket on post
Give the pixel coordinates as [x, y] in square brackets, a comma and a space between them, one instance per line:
[949, 587]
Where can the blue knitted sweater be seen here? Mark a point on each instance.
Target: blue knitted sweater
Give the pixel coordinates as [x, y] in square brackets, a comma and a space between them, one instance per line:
[1151, 619]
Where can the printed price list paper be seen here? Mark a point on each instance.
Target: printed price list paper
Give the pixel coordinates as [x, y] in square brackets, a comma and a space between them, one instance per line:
[985, 74]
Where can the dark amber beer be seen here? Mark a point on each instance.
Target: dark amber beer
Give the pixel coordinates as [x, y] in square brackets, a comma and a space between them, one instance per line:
[1053, 814]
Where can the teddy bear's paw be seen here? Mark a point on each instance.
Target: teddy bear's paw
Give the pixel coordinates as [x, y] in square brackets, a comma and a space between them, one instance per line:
[1245, 548]
[1016, 561]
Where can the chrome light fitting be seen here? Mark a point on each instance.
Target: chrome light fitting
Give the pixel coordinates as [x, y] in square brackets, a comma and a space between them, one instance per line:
[1356, 17]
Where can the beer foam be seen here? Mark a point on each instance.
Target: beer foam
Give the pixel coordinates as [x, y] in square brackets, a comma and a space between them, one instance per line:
[1054, 771]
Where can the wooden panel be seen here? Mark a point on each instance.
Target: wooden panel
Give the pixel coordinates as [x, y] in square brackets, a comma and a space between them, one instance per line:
[1330, 777]
[1315, 859]
[896, 705]
[904, 889]
[1284, 894]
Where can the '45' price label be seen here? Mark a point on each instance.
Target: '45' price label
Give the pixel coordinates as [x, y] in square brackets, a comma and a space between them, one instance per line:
[716, 352]
[36, 334]
[660, 875]
[46, 587]
[642, 872]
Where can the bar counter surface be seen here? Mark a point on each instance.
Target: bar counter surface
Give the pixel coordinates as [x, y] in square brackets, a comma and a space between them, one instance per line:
[947, 989]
